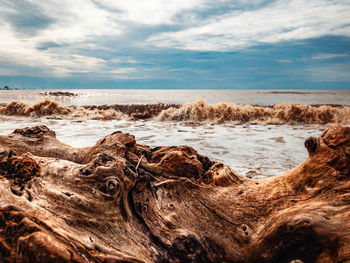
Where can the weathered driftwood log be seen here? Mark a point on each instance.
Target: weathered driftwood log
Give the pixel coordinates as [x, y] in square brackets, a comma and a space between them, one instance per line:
[119, 201]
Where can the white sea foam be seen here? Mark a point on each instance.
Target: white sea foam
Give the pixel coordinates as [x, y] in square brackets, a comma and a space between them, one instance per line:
[255, 150]
[237, 135]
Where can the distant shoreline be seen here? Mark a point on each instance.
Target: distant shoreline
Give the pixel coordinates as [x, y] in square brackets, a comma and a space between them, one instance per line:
[259, 90]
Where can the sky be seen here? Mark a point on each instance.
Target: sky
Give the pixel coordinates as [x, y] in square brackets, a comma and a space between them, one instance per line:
[180, 44]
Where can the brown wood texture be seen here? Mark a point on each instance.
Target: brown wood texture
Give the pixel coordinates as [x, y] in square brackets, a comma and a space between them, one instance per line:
[119, 201]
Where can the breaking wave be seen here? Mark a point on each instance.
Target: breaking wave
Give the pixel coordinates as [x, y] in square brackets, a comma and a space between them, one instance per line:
[52, 109]
[198, 111]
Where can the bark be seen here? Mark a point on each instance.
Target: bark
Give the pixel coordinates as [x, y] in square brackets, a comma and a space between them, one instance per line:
[119, 201]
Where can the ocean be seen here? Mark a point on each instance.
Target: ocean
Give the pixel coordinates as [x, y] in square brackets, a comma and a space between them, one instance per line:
[258, 133]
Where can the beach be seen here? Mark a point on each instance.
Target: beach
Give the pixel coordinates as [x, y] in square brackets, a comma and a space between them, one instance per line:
[165, 180]
[171, 131]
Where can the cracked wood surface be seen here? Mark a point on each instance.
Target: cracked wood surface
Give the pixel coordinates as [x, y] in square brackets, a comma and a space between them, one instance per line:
[119, 201]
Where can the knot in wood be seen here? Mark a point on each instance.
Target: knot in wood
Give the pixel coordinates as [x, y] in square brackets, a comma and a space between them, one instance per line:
[312, 144]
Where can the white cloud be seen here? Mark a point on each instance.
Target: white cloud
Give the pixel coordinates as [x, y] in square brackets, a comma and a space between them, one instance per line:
[75, 23]
[127, 60]
[122, 70]
[320, 56]
[73, 27]
[124, 73]
[8, 7]
[284, 61]
[79, 24]
[24, 52]
[279, 21]
[152, 12]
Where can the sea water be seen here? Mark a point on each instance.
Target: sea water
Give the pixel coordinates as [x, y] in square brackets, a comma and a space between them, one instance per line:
[253, 148]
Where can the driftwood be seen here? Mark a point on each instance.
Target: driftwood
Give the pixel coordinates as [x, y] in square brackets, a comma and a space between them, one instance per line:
[119, 201]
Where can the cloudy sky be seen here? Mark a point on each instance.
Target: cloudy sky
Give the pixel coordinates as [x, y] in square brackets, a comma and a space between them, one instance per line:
[282, 44]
